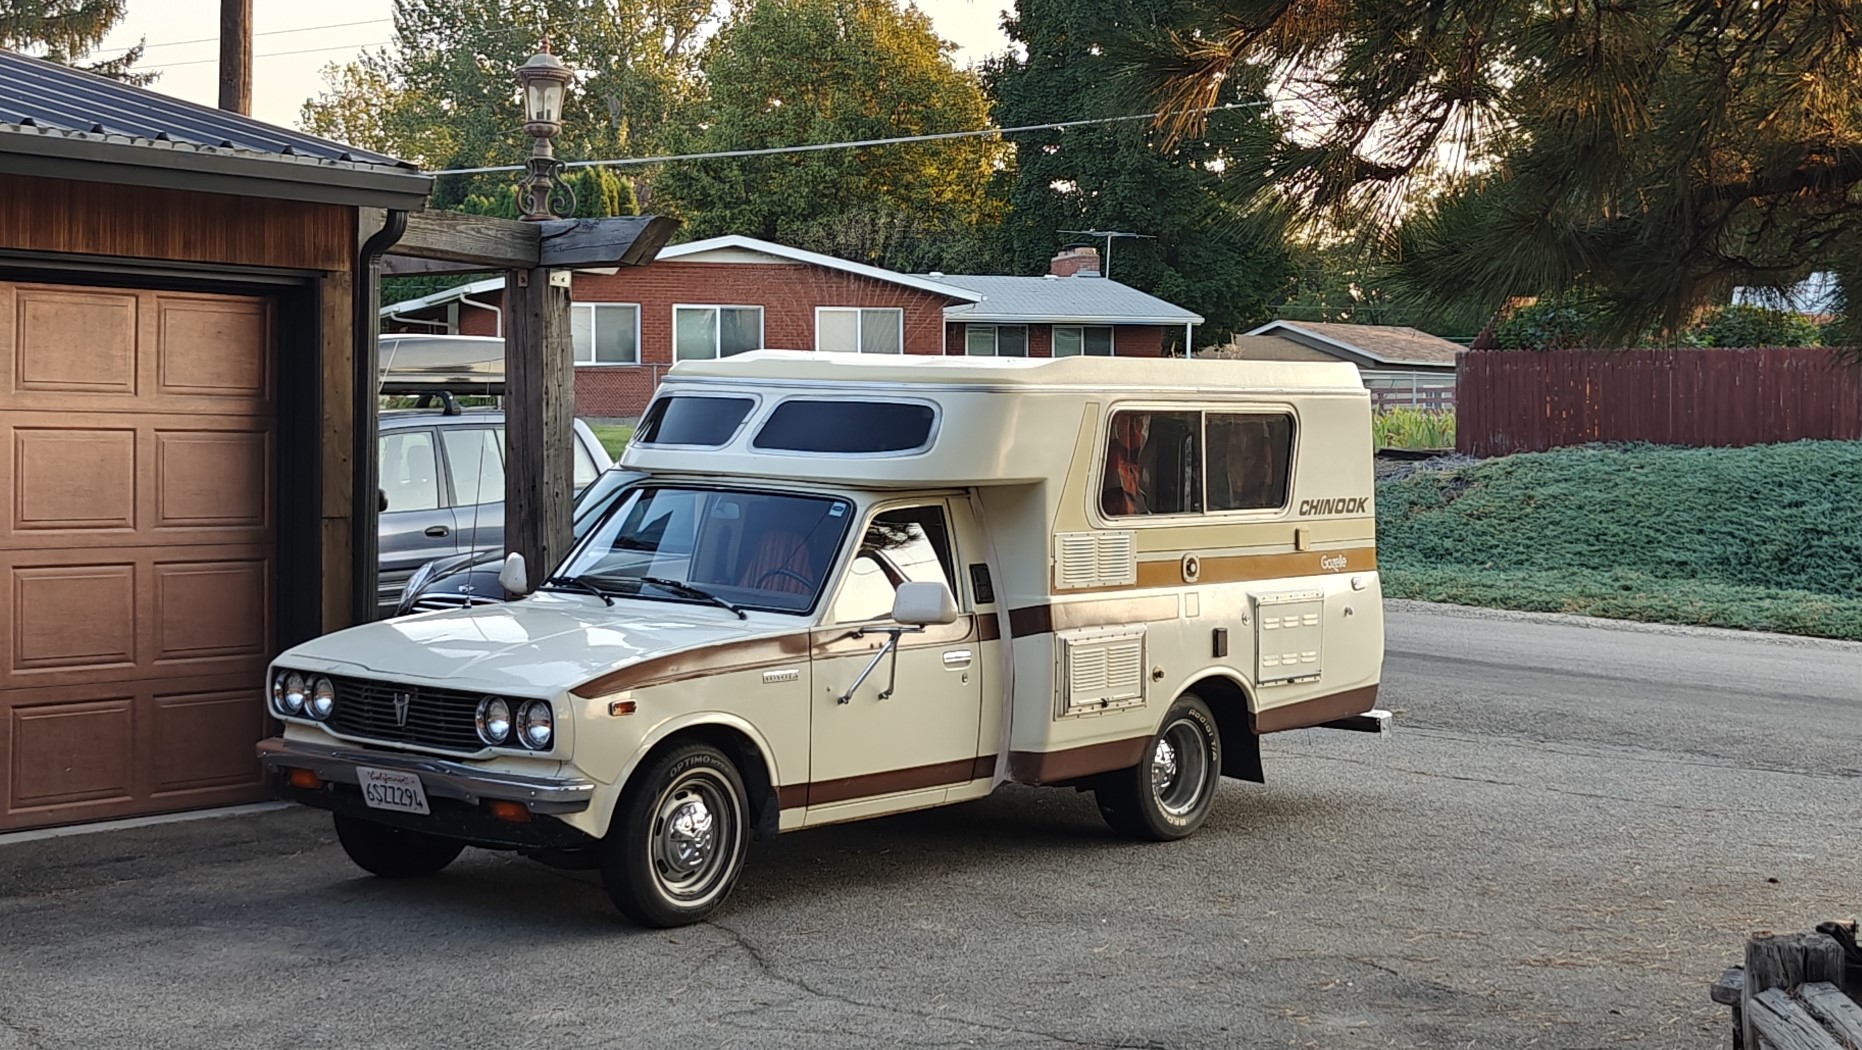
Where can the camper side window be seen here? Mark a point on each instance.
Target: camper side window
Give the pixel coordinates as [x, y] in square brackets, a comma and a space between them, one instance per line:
[1153, 464]
[1250, 458]
[900, 546]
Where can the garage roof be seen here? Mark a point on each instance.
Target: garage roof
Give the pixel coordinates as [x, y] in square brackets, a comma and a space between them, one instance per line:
[65, 123]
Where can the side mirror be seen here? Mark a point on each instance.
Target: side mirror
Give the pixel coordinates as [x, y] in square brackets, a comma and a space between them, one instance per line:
[921, 604]
[513, 578]
[382, 501]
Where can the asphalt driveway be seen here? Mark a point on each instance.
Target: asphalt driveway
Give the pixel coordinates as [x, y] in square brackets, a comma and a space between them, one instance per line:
[1569, 834]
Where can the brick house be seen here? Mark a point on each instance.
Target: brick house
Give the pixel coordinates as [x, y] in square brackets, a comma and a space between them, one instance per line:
[730, 294]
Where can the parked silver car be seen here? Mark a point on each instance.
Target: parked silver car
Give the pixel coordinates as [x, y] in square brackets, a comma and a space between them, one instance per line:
[442, 475]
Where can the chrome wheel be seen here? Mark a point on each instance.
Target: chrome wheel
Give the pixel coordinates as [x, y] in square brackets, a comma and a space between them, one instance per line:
[695, 835]
[1180, 767]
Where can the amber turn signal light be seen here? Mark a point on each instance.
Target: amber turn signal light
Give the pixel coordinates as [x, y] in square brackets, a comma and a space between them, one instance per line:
[304, 778]
[621, 707]
[512, 812]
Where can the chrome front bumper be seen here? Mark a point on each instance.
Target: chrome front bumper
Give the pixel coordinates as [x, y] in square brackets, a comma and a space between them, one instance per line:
[440, 778]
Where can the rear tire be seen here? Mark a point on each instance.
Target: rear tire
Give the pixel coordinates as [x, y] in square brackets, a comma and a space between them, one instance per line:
[394, 853]
[1168, 794]
[678, 839]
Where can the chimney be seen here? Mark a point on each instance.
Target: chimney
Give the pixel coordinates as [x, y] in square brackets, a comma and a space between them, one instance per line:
[1082, 261]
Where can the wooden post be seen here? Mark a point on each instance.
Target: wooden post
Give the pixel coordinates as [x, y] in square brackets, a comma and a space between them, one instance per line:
[1784, 961]
[539, 421]
[236, 56]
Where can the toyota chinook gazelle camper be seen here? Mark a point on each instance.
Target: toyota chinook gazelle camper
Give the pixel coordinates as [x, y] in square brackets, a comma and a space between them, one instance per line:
[849, 586]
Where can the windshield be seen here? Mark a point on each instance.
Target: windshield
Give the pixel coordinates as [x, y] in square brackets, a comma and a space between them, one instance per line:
[595, 500]
[758, 550]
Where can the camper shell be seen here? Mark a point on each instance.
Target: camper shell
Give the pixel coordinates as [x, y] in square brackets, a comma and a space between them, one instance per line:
[1107, 573]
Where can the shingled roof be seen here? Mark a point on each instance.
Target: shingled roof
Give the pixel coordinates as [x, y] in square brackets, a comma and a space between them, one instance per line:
[63, 122]
[1373, 344]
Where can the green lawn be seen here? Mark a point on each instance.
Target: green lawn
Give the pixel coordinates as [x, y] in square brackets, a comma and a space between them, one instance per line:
[1764, 538]
[613, 438]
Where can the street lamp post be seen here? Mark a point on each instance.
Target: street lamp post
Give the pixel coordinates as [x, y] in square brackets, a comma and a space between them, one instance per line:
[545, 81]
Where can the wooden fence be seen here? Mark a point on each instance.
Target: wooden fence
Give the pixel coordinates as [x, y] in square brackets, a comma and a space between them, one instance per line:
[1532, 400]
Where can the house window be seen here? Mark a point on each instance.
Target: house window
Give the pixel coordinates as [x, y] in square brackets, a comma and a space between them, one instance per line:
[700, 333]
[1090, 340]
[995, 340]
[605, 333]
[848, 330]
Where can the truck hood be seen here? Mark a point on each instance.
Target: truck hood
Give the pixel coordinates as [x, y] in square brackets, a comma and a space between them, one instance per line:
[536, 647]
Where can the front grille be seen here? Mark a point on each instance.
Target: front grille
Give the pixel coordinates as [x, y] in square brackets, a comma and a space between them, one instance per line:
[436, 718]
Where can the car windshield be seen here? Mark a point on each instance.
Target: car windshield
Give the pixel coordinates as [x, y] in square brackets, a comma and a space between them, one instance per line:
[757, 550]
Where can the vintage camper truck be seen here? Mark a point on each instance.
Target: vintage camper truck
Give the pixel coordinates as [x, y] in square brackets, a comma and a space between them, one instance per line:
[850, 586]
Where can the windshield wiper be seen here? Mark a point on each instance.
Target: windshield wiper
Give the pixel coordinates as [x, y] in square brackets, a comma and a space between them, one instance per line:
[576, 583]
[695, 592]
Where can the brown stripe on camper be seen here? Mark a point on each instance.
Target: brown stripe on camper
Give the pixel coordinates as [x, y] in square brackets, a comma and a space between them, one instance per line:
[1251, 568]
[1317, 711]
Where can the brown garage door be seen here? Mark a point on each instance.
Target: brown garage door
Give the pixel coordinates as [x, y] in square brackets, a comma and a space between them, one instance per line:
[136, 549]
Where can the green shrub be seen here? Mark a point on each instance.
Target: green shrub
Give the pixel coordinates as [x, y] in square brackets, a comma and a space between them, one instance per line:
[1757, 326]
[1413, 428]
[1762, 538]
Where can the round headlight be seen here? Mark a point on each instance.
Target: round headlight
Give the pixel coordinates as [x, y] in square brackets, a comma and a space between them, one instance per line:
[536, 725]
[278, 694]
[322, 699]
[295, 692]
[494, 720]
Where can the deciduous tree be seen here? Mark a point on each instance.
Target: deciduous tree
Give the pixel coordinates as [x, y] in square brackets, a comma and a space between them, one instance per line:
[794, 72]
[1197, 250]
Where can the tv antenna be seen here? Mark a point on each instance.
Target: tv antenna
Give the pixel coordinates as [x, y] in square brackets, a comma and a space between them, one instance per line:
[1105, 265]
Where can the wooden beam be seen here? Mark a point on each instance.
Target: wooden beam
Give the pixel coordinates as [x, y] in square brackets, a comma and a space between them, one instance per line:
[408, 266]
[479, 240]
[627, 240]
[539, 421]
[1782, 962]
[451, 242]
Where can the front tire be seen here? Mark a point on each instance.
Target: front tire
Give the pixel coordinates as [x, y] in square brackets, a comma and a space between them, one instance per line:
[394, 853]
[1169, 793]
[678, 839]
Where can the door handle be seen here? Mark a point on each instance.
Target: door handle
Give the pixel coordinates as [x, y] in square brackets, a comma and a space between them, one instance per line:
[956, 658]
[436, 531]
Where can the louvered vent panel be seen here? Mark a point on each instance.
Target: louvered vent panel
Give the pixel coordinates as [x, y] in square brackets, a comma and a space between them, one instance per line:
[1289, 636]
[1101, 669]
[1095, 559]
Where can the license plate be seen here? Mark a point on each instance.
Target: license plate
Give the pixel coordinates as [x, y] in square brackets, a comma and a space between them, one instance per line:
[388, 789]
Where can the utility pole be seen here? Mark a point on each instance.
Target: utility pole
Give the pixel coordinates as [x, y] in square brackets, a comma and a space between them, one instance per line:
[236, 56]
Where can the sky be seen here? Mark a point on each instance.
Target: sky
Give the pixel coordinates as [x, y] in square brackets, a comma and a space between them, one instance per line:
[182, 43]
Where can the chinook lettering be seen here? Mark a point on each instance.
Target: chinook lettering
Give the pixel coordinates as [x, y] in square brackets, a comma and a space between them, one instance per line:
[1340, 505]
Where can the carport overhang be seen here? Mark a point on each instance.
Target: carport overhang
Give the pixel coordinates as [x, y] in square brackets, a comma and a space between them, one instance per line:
[148, 162]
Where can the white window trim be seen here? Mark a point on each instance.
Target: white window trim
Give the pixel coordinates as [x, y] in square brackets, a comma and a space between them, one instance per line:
[1111, 338]
[859, 324]
[995, 330]
[593, 336]
[717, 341]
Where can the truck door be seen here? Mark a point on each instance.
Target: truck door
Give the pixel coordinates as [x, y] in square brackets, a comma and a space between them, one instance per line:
[916, 734]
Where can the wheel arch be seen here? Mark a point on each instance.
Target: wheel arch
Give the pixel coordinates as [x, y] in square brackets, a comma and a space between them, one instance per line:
[1228, 696]
[739, 741]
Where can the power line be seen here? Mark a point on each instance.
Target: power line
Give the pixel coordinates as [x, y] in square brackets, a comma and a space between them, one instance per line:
[272, 54]
[1060, 125]
[269, 32]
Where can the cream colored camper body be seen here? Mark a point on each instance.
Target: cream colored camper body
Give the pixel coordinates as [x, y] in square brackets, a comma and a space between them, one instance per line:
[1115, 535]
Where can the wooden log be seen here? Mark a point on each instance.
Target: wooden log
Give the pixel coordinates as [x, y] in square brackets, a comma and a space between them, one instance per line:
[1726, 990]
[1776, 961]
[476, 239]
[539, 420]
[1782, 1023]
[1837, 1011]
